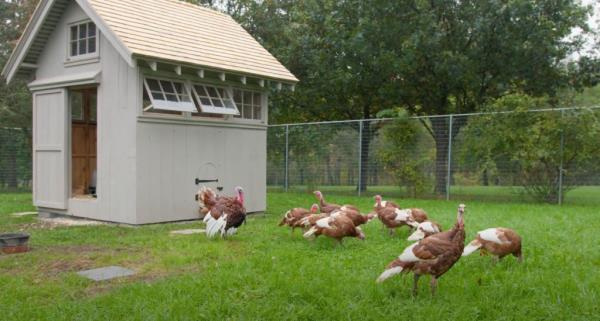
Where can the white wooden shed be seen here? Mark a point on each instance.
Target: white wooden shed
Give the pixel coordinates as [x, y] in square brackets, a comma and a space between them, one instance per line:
[135, 100]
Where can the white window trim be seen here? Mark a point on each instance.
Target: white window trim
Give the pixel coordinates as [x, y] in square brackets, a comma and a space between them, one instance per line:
[167, 105]
[212, 109]
[88, 56]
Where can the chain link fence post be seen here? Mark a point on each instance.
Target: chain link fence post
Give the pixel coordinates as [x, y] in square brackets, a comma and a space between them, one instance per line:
[360, 133]
[562, 150]
[449, 162]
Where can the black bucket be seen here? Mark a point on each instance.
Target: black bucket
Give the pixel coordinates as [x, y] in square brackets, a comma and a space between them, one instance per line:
[11, 243]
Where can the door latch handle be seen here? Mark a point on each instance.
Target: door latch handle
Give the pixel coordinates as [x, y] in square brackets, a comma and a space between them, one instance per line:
[198, 181]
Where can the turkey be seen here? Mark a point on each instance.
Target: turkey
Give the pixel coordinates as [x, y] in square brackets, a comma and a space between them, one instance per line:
[330, 207]
[393, 217]
[498, 242]
[424, 230]
[336, 226]
[206, 199]
[293, 217]
[416, 214]
[433, 255]
[380, 203]
[357, 218]
[225, 214]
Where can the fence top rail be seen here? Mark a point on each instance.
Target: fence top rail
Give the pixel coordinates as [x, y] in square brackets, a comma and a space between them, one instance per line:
[431, 116]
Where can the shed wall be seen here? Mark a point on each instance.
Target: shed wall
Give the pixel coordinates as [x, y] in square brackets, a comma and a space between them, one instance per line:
[117, 101]
[172, 155]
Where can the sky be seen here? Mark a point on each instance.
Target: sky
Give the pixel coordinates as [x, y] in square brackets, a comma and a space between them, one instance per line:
[594, 22]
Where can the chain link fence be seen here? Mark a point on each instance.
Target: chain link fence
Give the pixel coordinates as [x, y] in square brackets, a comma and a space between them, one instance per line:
[544, 156]
[547, 155]
[15, 159]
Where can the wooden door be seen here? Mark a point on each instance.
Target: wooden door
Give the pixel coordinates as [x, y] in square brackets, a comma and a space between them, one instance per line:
[50, 127]
[83, 141]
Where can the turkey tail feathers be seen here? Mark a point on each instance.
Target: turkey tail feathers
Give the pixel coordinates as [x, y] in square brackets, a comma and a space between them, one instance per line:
[471, 247]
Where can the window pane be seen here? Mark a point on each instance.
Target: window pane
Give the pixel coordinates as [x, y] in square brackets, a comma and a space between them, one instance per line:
[74, 48]
[228, 103]
[212, 93]
[153, 84]
[200, 90]
[167, 87]
[82, 47]
[247, 97]
[158, 95]
[222, 92]
[171, 97]
[91, 45]
[205, 101]
[217, 102]
[237, 96]
[82, 31]
[256, 113]
[181, 91]
[247, 112]
[91, 29]
[76, 103]
[73, 33]
[256, 100]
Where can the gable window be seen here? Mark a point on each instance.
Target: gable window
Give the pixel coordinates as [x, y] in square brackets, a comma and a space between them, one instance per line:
[83, 40]
[168, 96]
[214, 100]
[249, 104]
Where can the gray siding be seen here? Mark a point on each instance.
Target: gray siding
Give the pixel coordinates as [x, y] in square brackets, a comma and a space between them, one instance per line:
[117, 101]
[171, 156]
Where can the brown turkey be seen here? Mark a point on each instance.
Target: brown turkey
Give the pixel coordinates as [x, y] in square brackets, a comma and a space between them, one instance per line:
[433, 255]
[293, 217]
[330, 207]
[356, 217]
[393, 217]
[380, 203]
[498, 241]
[206, 199]
[225, 214]
[335, 226]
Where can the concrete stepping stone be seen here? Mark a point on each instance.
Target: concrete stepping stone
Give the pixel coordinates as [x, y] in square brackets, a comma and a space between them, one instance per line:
[106, 273]
[188, 232]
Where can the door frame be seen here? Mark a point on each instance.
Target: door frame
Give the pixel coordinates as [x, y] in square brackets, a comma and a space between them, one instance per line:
[70, 140]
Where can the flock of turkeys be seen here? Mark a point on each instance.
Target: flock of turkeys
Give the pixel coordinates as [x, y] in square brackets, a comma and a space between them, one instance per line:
[434, 252]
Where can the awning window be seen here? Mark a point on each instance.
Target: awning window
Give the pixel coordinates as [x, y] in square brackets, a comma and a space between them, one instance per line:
[168, 95]
[214, 100]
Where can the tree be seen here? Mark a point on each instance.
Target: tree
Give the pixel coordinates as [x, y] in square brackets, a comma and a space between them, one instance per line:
[433, 57]
[403, 155]
[537, 144]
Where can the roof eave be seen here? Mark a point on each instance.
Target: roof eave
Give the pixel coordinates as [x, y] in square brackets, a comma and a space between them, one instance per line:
[291, 81]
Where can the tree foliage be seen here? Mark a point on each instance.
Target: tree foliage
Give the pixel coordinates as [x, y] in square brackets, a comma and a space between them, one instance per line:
[534, 146]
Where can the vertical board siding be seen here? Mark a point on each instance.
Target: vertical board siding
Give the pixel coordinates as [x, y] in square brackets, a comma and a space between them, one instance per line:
[117, 101]
[171, 156]
[49, 146]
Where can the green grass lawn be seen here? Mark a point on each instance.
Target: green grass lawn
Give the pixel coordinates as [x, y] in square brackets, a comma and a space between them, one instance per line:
[263, 273]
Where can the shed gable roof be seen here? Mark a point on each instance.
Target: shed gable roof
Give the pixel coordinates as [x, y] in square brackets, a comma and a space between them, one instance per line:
[174, 31]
